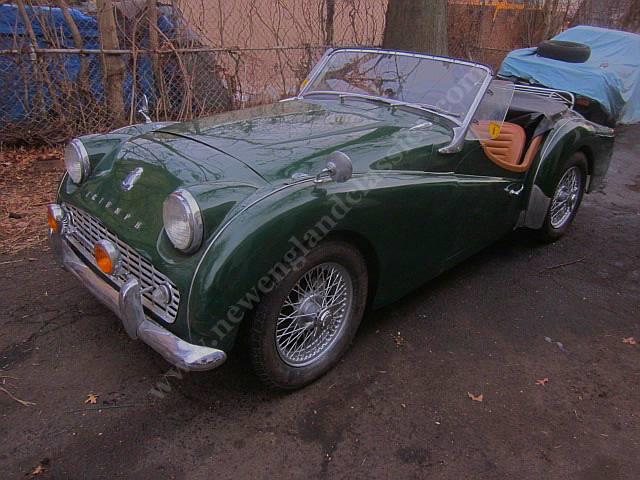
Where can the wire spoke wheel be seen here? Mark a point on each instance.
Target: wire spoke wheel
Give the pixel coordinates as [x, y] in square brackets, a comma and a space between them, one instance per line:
[566, 198]
[314, 314]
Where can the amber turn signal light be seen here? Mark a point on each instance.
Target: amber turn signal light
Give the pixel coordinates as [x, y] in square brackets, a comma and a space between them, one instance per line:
[55, 216]
[107, 256]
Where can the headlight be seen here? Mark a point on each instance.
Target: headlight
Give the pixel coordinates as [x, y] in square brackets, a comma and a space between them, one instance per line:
[76, 161]
[182, 221]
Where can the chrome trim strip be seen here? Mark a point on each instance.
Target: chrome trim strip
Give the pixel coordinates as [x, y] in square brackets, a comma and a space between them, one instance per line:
[127, 305]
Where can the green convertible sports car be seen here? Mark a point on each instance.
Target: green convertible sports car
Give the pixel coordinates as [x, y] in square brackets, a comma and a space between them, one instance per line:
[280, 225]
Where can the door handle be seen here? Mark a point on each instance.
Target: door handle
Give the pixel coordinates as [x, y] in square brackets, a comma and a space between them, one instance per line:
[514, 189]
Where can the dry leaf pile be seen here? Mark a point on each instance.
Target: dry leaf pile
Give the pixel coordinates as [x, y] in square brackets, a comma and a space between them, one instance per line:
[29, 178]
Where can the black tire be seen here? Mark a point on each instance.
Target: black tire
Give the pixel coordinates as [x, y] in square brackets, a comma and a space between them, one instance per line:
[553, 229]
[565, 51]
[268, 362]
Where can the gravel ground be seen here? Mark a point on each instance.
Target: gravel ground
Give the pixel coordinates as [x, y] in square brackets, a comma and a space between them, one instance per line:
[397, 406]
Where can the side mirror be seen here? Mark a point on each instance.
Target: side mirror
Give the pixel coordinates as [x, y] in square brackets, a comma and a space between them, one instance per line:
[339, 168]
[144, 109]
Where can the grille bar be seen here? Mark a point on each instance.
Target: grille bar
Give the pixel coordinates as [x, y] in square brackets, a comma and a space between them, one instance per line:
[84, 231]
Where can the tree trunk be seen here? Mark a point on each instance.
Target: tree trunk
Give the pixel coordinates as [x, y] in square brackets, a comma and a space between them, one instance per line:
[328, 21]
[417, 25]
[113, 64]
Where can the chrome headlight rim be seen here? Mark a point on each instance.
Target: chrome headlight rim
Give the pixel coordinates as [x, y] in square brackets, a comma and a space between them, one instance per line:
[82, 157]
[194, 218]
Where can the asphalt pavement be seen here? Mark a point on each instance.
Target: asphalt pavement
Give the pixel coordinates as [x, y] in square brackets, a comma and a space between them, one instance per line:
[534, 331]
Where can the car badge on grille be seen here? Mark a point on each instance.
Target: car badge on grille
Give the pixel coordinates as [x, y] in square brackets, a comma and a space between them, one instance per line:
[131, 179]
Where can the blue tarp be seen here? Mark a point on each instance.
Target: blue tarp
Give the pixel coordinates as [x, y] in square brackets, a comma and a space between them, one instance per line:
[611, 76]
[17, 103]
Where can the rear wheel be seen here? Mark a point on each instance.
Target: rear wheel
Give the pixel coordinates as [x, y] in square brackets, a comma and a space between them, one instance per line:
[567, 197]
[302, 328]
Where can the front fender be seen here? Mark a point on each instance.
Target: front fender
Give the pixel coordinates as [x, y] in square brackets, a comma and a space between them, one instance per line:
[259, 244]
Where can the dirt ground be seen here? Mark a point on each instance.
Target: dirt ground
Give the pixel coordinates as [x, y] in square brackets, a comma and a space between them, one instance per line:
[398, 406]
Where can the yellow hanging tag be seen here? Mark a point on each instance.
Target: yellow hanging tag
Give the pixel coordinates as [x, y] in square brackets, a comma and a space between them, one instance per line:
[494, 129]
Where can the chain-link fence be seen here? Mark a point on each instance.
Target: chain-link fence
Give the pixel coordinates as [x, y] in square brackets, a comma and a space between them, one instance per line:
[62, 74]
[69, 68]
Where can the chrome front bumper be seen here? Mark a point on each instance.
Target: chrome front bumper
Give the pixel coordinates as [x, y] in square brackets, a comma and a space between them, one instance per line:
[127, 305]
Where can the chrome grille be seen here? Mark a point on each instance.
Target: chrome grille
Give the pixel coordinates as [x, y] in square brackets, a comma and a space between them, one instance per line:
[84, 231]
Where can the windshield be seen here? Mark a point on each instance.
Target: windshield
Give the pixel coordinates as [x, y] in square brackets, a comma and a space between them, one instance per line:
[443, 85]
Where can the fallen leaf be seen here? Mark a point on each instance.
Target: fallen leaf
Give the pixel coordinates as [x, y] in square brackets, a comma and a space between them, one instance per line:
[37, 471]
[542, 382]
[40, 468]
[475, 398]
[92, 398]
[630, 341]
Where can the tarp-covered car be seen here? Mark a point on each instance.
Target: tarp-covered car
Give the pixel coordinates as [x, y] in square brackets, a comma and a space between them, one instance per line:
[606, 85]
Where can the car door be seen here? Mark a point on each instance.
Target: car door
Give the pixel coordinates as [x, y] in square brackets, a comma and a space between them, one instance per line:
[489, 199]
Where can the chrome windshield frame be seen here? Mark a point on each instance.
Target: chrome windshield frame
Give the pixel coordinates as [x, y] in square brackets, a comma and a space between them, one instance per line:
[459, 132]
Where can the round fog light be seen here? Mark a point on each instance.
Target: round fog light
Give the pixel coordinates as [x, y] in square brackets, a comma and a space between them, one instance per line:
[107, 256]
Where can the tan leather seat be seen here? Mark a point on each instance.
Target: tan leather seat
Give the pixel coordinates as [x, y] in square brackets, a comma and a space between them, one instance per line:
[506, 150]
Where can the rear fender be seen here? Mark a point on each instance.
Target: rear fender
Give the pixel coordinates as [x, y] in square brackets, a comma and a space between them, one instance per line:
[571, 135]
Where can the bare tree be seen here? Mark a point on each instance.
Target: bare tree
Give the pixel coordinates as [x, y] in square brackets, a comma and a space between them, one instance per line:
[112, 62]
[419, 25]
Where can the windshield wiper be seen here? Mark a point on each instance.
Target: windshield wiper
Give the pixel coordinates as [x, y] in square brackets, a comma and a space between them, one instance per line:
[388, 101]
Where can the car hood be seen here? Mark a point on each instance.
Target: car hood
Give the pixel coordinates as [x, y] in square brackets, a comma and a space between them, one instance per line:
[279, 140]
[224, 159]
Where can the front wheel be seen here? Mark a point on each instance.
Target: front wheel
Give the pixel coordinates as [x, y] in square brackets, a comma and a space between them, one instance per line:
[567, 197]
[302, 328]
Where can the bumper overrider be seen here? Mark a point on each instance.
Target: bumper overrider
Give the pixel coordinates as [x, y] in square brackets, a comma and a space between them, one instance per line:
[127, 305]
